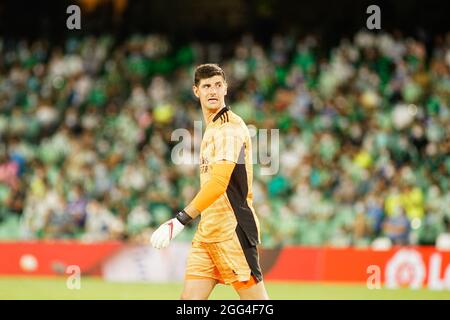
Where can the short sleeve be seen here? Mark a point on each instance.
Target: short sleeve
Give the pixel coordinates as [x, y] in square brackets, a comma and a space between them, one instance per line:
[228, 143]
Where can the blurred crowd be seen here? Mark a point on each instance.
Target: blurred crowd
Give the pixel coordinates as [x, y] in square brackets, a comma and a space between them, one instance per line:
[364, 152]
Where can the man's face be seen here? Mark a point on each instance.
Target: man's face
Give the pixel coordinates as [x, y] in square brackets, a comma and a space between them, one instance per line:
[211, 92]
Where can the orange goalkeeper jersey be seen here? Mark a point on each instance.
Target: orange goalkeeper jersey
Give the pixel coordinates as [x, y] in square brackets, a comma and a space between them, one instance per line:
[227, 138]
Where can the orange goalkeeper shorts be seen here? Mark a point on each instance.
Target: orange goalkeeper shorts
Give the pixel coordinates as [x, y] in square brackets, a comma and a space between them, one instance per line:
[228, 262]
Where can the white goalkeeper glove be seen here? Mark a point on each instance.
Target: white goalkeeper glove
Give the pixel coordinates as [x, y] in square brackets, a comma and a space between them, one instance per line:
[169, 230]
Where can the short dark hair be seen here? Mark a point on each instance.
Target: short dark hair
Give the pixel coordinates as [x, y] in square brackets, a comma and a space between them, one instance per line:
[208, 70]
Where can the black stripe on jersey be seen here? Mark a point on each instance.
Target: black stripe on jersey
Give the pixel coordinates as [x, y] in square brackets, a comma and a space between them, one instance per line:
[224, 118]
[251, 254]
[246, 229]
[237, 192]
[220, 113]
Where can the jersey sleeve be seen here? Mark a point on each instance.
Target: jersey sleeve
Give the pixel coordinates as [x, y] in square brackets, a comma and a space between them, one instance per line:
[228, 142]
[215, 187]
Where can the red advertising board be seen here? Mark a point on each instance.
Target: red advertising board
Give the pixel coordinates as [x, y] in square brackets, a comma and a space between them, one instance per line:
[413, 267]
[53, 257]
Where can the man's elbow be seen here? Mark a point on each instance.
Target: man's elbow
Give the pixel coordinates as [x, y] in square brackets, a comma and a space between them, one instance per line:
[220, 187]
[220, 190]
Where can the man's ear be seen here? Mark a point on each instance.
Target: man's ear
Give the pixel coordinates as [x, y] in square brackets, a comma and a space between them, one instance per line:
[195, 90]
[226, 88]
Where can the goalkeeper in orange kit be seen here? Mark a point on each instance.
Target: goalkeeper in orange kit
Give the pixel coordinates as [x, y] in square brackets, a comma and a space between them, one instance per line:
[224, 248]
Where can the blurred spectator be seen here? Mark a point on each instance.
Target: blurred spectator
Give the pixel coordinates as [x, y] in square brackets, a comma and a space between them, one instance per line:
[397, 227]
[101, 224]
[443, 240]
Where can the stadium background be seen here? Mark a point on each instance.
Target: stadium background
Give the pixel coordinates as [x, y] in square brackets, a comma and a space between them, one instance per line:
[86, 118]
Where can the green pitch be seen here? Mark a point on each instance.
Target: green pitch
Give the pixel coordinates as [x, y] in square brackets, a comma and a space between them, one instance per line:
[95, 288]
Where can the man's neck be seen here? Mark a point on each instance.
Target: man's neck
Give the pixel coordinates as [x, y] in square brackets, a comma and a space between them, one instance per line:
[209, 114]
